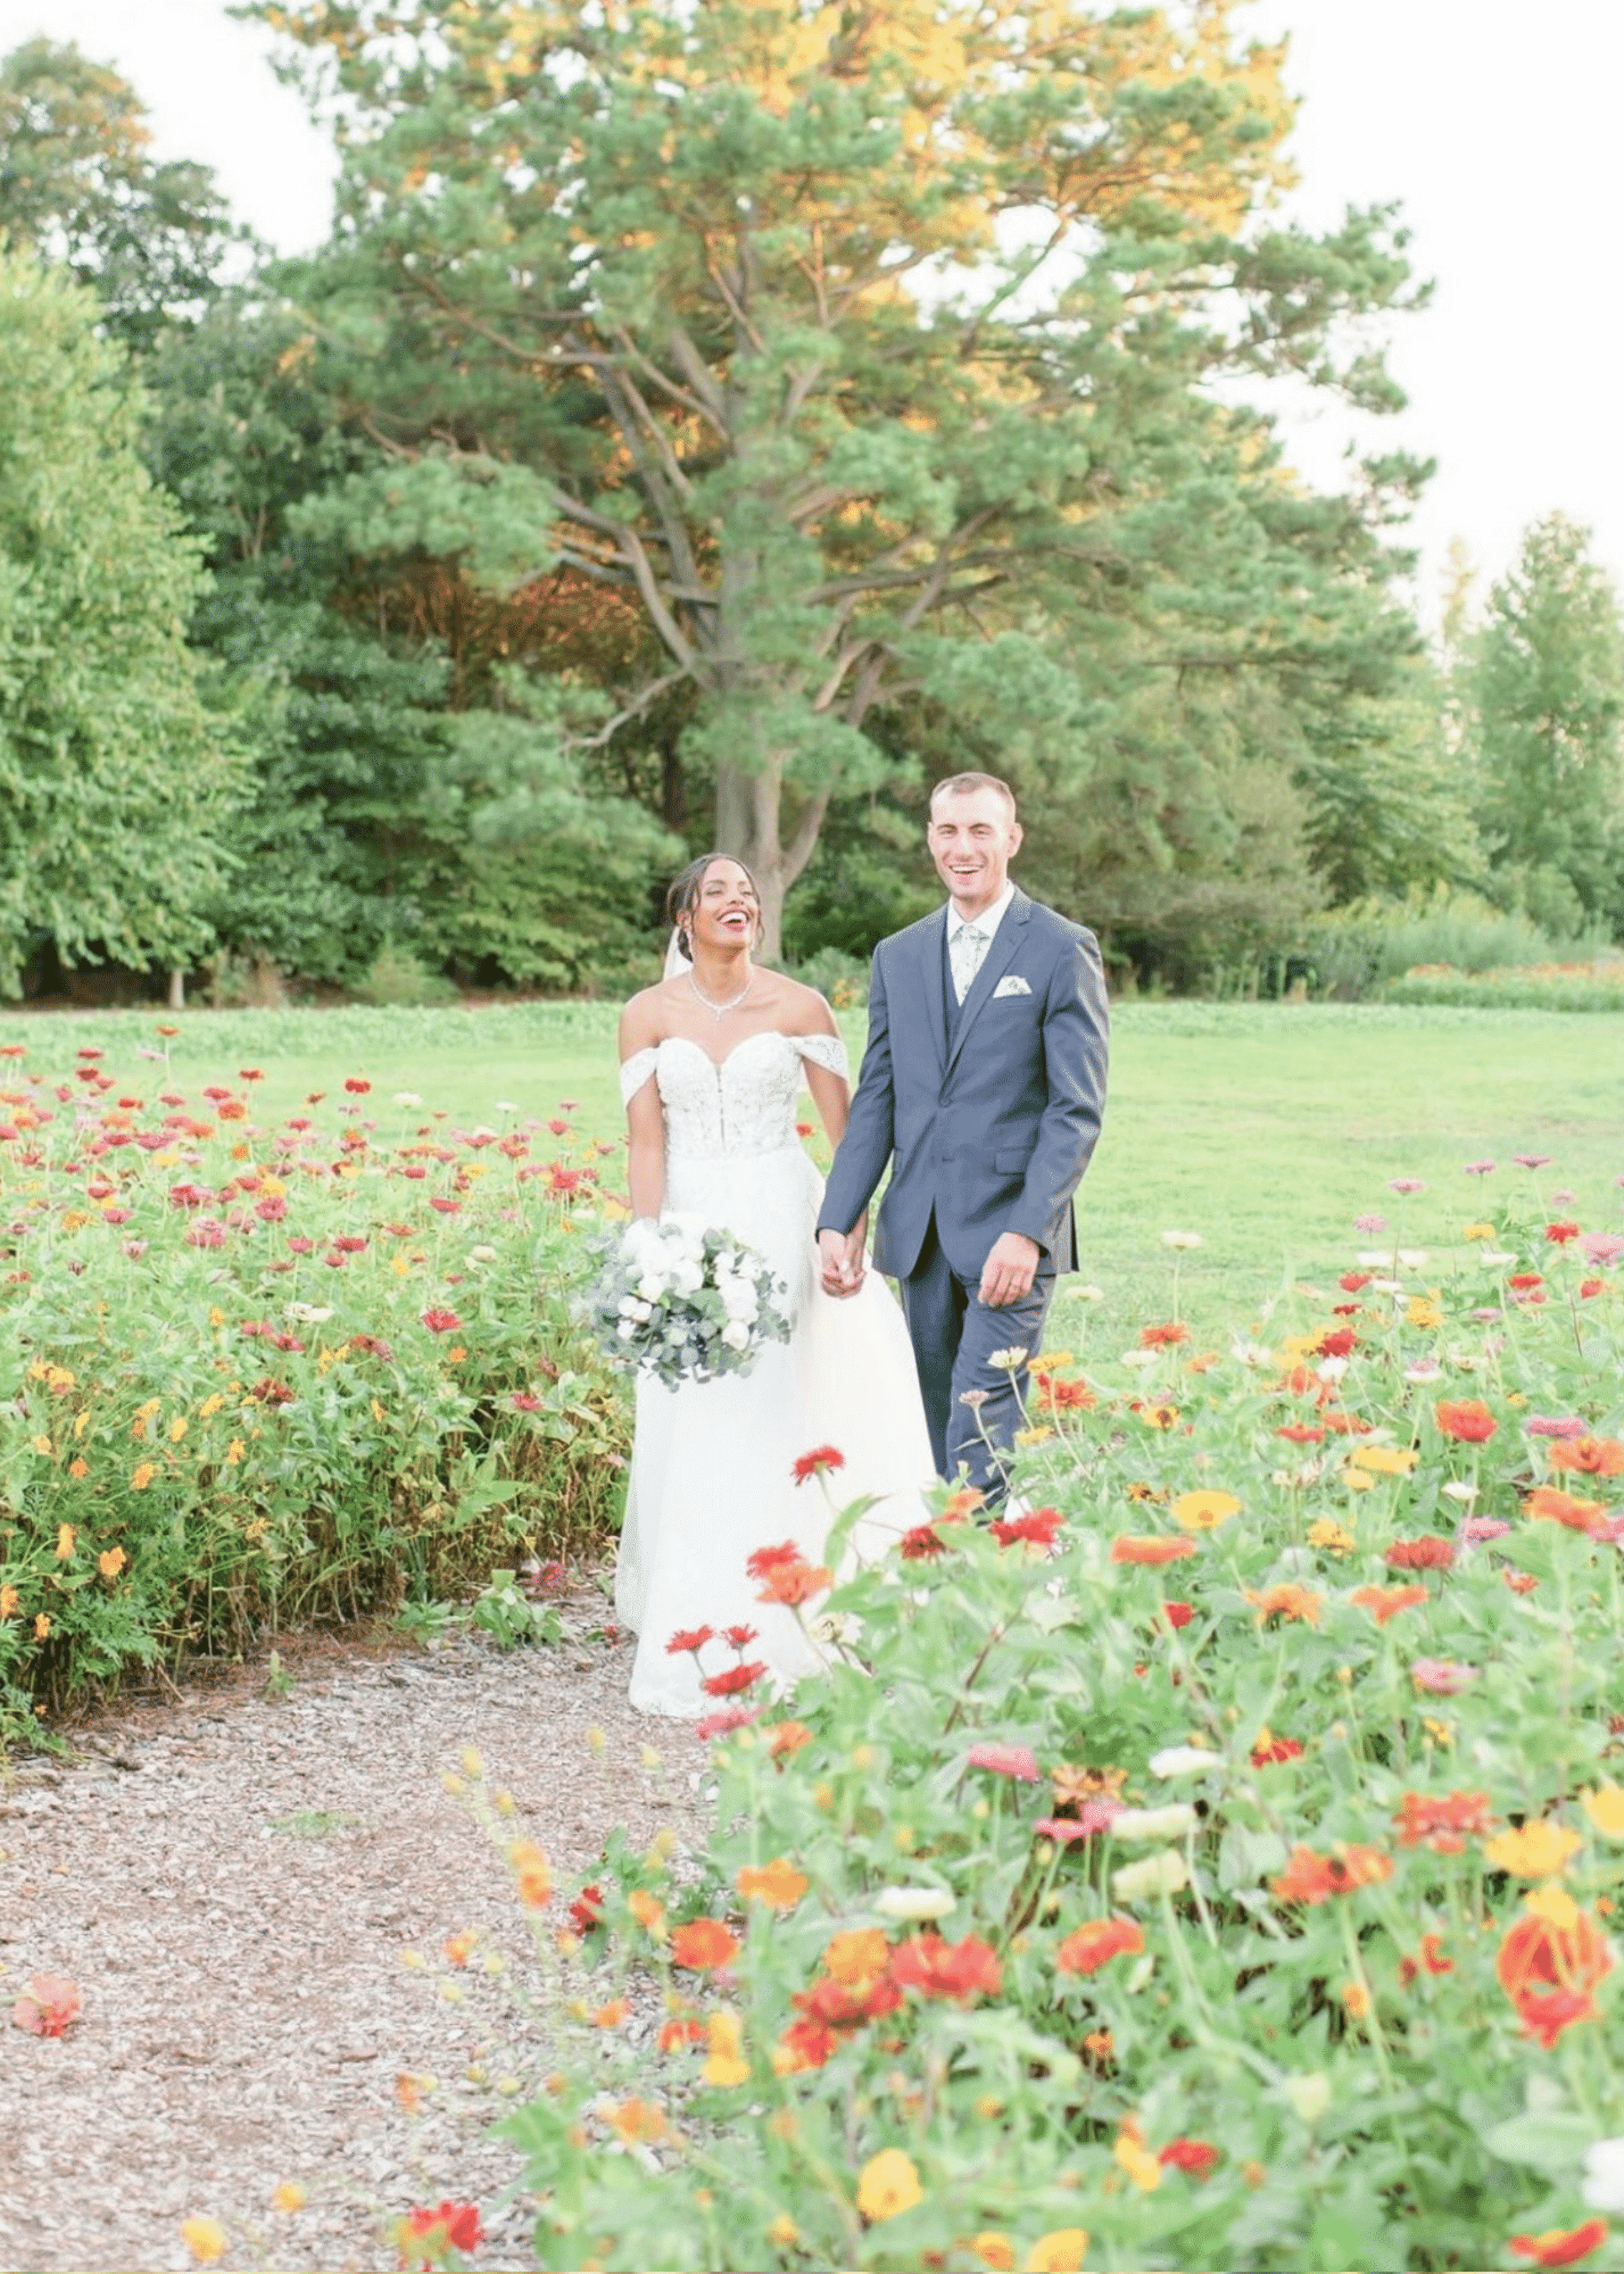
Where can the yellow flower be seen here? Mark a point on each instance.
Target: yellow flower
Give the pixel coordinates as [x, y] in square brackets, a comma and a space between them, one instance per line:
[1326, 1532]
[288, 2196]
[378, 1413]
[726, 2066]
[64, 1542]
[1039, 1435]
[1534, 1852]
[993, 2249]
[143, 1476]
[888, 2184]
[1478, 1231]
[1386, 1460]
[8, 1602]
[1422, 1310]
[111, 1563]
[178, 1429]
[647, 1910]
[1061, 2251]
[1358, 1480]
[81, 1422]
[857, 1957]
[783, 2232]
[1203, 1511]
[1356, 2000]
[1138, 2161]
[400, 1265]
[41, 1625]
[778, 1884]
[205, 2238]
[210, 1405]
[1606, 1809]
[234, 1452]
[40, 1444]
[216, 1317]
[1554, 1905]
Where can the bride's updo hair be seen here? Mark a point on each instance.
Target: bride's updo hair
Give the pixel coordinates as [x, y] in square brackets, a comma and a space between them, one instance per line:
[684, 897]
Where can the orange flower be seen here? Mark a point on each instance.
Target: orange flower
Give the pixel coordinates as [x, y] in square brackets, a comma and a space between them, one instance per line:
[1311, 1878]
[1556, 1507]
[1385, 1603]
[1090, 1947]
[1590, 1456]
[1163, 1338]
[1466, 1418]
[961, 1971]
[778, 1884]
[610, 2017]
[535, 1878]
[1442, 1822]
[1287, 1601]
[1431, 1958]
[1559, 2245]
[857, 1957]
[674, 2035]
[111, 1563]
[786, 1737]
[1566, 1951]
[701, 1943]
[1156, 1549]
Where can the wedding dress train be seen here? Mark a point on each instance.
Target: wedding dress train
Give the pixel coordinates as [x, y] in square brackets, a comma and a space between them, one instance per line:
[713, 1462]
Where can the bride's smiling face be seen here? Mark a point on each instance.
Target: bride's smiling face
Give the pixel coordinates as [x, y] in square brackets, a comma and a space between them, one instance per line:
[727, 912]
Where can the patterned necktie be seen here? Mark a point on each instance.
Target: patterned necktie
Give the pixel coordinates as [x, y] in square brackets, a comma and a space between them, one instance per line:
[965, 950]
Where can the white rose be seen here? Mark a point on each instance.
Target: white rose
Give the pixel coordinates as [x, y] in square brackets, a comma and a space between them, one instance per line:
[651, 1286]
[736, 1334]
[913, 1903]
[625, 1330]
[1169, 1823]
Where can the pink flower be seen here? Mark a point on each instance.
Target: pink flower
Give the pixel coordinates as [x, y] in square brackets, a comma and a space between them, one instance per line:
[1405, 1184]
[1483, 1528]
[1006, 1760]
[441, 1322]
[1602, 1248]
[1479, 1169]
[726, 1718]
[1093, 1815]
[1370, 1223]
[1441, 1677]
[1555, 1425]
[1532, 1160]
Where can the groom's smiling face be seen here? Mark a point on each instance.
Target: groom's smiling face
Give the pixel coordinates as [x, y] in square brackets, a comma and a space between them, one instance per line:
[973, 837]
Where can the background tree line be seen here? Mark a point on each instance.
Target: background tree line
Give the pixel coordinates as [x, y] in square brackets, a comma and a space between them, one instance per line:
[713, 425]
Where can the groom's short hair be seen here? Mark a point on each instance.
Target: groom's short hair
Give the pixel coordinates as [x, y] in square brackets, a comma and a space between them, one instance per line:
[956, 785]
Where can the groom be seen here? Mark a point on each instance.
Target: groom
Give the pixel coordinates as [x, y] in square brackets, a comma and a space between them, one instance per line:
[983, 1084]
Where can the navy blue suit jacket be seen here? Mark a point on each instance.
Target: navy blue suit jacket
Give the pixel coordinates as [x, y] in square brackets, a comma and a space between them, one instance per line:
[992, 1130]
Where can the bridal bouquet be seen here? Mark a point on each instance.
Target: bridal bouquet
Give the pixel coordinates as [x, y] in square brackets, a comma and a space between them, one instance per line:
[685, 1304]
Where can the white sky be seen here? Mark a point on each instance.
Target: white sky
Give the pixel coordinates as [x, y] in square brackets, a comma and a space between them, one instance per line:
[1493, 123]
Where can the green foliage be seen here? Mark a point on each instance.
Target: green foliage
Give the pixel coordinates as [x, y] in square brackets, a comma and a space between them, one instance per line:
[1309, 2040]
[1543, 687]
[1594, 986]
[510, 1617]
[116, 785]
[78, 186]
[1355, 950]
[882, 368]
[253, 1376]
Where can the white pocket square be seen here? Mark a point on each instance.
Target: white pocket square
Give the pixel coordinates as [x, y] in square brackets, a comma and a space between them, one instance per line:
[1013, 985]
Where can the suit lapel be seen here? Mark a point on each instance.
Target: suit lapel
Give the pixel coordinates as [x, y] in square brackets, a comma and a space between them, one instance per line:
[935, 1001]
[995, 963]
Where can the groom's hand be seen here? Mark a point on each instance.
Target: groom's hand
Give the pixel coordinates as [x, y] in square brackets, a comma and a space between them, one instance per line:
[840, 1260]
[1009, 1270]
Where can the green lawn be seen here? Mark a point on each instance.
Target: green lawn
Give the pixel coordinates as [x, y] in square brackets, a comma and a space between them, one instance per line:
[1265, 1129]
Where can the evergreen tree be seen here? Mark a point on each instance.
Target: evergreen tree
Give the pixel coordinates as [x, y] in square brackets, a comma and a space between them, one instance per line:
[869, 355]
[1544, 683]
[116, 787]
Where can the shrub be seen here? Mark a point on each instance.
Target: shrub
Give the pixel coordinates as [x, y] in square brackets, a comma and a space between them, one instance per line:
[1215, 1866]
[1356, 951]
[252, 1374]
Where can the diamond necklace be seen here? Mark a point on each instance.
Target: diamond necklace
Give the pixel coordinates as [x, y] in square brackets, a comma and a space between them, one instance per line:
[721, 1010]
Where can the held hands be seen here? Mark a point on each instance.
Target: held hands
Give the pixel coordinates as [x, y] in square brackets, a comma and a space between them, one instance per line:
[840, 1260]
[1009, 1270]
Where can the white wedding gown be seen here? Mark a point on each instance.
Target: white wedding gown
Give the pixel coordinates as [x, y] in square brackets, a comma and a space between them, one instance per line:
[713, 1462]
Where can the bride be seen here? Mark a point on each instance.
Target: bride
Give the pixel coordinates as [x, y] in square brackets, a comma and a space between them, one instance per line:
[713, 1062]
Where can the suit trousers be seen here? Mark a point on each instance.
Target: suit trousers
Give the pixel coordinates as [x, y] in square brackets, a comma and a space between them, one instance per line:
[954, 1335]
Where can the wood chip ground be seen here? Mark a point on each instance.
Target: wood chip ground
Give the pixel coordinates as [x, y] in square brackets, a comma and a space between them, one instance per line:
[232, 1880]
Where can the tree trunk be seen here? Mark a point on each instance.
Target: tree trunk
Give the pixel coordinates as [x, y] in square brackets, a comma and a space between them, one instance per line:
[177, 991]
[747, 816]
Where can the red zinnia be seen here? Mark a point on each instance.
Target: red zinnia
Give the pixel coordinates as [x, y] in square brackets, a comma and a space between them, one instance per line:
[818, 1462]
[767, 1559]
[1302, 1433]
[694, 1638]
[1091, 1945]
[1340, 1342]
[1559, 1234]
[962, 1971]
[1561, 2246]
[793, 1581]
[1196, 2157]
[924, 1541]
[1352, 1281]
[452, 2226]
[732, 1679]
[1039, 1527]
[1431, 1958]
[1277, 1748]
[1178, 1615]
[587, 1911]
[1163, 1338]
[740, 1637]
[1467, 1419]
[1432, 1552]
[1442, 1820]
[356, 1086]
[441, 1322]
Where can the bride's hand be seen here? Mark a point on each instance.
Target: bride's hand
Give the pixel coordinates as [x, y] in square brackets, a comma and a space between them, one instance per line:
[840, 1257]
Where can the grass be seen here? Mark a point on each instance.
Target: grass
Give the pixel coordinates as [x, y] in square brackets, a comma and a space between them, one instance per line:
[1265, 1129]
[315, 1823]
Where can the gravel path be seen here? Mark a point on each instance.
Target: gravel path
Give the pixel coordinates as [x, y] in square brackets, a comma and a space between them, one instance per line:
[231, 1883]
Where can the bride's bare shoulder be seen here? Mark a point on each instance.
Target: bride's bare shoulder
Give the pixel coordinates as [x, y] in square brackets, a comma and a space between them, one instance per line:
[802, 1010]
[644, 1018]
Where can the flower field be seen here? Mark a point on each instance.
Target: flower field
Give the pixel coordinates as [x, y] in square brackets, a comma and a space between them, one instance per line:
[1213, 1865]
[258, 1369]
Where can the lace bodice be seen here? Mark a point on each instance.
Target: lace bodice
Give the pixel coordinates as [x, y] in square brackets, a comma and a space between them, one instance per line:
[745, 1105]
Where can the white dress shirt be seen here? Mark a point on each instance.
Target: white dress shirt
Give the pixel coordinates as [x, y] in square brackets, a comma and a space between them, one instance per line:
[969, 940]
